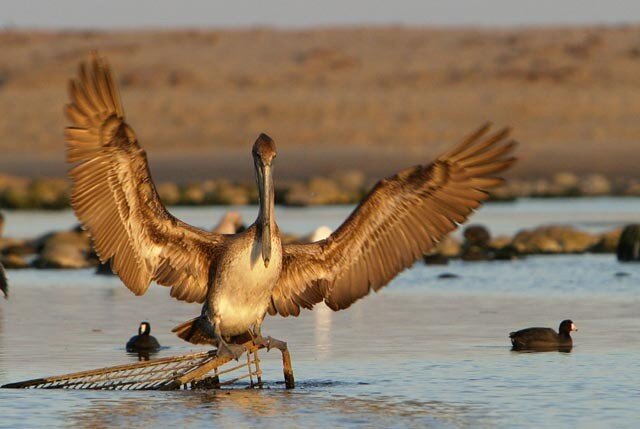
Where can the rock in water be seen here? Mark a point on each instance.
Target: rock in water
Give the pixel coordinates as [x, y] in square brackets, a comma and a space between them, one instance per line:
[629, 244]
[476, 244]
[608, 242]
[67, 249]
[105, 269]
[553, 239]
[477, 235]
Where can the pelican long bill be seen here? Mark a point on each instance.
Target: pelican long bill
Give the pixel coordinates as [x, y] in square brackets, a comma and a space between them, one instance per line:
[266, 210]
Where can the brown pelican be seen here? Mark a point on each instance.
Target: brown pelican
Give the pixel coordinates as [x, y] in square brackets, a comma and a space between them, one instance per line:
[241, 277]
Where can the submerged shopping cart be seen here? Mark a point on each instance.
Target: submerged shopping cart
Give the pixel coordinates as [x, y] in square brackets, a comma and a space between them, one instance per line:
[202, 370]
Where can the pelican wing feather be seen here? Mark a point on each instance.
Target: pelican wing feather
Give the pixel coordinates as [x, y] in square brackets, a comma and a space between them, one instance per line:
[401, 219]
[116, 201]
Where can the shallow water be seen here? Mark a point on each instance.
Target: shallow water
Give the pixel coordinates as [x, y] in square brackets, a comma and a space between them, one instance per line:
[590, 214]
[424, 352]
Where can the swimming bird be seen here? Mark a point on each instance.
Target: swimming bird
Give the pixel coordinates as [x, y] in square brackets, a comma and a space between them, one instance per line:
[4, 285]
[144, 342]
[544, 339]
[240, 278]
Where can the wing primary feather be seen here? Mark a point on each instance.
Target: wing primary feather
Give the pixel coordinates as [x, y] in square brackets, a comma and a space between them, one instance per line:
[115, 199]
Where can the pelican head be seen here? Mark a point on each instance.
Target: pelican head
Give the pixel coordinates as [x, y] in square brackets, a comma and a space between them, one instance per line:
[264, 152]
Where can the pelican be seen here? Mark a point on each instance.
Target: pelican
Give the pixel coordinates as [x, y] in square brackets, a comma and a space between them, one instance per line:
[240, 278]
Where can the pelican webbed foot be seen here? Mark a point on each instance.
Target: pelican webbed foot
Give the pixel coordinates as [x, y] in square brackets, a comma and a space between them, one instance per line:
[228, 350]
[267, 342]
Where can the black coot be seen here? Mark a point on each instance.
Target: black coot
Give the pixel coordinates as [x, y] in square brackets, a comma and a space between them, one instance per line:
[143, 342]
[544, 339]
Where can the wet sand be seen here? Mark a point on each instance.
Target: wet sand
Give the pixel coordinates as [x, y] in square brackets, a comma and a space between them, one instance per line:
[365, 95]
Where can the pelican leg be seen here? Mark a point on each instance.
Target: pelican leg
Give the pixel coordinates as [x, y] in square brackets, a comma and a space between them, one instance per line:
[268, 342]
[233, 351]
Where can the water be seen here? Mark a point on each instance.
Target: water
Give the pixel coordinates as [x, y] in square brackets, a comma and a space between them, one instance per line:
[590, 214]
[424, 352]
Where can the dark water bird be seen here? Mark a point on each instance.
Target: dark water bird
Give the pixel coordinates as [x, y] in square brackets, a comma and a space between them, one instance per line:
[144, 342]
[241, 277]
[4, 284]
[544, 339]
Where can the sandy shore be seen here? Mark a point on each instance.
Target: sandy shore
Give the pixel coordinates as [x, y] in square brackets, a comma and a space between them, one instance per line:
[374, 99]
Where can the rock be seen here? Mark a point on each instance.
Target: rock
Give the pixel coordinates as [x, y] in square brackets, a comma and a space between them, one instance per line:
[506, 253]
[475, 253]
[595, 184]
[169, 193]
[622, 274]
[40, 193]
[476, 244]
[16, 196]
[62, 256]
[633, 189]
[317, 191]
[352, 182]
[14, 261]
[566, 180]
[529, 243]
[105, 269]
[502, 249]
[629, 246]
[607, 242]
[553, 239]
[17, 246]
[446, 249]
[477, 235]
[68, 249]
[49, 194]
[435, 259]
[192, 195]
[500, 242]
[224, 192]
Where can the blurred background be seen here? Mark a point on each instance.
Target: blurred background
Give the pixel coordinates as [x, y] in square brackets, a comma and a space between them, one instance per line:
[345, 89]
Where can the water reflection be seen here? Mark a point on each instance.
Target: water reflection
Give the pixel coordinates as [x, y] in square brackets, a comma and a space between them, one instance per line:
[322, 329]
[544, 350]
[271, 408]
[141, 356]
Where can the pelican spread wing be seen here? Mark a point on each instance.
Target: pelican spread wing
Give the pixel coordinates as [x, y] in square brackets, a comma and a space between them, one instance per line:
[117, 203]
[403, 217]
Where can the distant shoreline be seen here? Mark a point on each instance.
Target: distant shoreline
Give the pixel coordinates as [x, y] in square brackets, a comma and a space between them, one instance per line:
[304, 163]
[374, 99]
